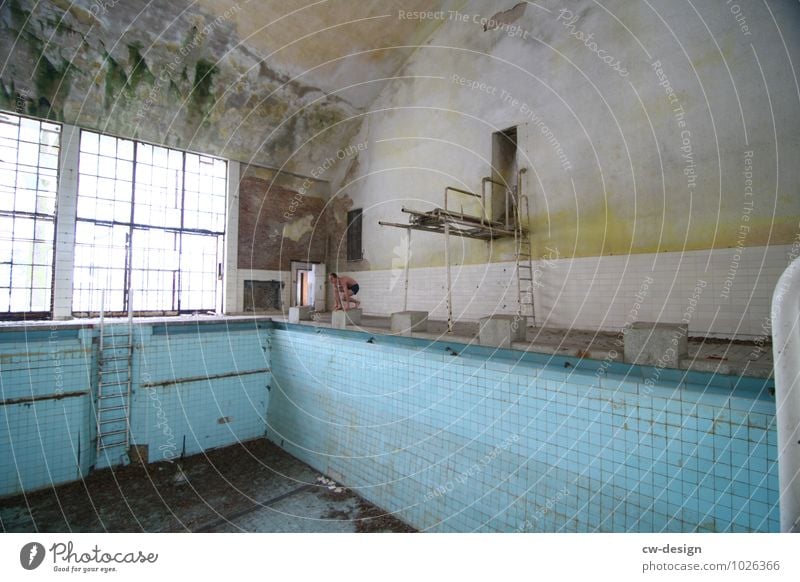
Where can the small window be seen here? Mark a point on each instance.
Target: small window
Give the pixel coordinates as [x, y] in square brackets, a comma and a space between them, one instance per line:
[354, 250]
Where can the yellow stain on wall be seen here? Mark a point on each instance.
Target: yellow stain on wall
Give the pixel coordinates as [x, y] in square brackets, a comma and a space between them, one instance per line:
[298, 229]
[602, 234]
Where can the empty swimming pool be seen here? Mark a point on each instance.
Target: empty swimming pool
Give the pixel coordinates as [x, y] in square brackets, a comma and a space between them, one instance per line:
[446, 436]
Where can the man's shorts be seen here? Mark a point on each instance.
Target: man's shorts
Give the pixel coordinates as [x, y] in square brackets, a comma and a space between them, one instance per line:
[354, 289]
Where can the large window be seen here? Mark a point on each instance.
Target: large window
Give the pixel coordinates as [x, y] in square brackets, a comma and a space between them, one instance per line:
[28, 183]
[150, 227]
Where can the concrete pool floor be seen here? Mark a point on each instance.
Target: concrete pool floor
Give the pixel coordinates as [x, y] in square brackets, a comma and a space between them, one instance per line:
[248, 487]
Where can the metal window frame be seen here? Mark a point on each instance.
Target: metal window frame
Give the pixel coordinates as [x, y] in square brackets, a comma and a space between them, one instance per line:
[131, 225]
[36, 216]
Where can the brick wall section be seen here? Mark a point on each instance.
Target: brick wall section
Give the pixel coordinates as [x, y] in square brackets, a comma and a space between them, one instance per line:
[265, 209]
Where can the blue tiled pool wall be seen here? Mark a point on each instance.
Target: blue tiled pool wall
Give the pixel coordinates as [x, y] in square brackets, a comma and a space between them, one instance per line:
[195, 387]
[484, 440]
[43, 438]
[456, 438]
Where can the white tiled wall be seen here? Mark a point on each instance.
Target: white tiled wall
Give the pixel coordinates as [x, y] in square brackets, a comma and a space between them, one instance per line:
[601, 292]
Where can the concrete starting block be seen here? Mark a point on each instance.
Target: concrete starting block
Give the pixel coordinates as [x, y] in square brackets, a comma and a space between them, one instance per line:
[341, 319]
[656, 344]
[500, 330]
[406, 322]
[298, 314]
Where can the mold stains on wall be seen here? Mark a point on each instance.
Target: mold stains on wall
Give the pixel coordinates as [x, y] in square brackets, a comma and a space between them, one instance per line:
[201, 100]
[172, 73]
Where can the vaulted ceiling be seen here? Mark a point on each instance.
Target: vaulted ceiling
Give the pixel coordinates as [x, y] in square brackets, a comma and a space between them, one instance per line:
[332, 44]
[270, 82]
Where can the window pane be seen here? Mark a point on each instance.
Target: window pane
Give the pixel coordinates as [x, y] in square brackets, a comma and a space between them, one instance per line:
[125, 149]
[9, 126]
[28, 154]
[20, 298]
[108, 146]
[29, 130]
[48, 161]
[88, 164]
[198, 275]
[40, 299]
[99, 267]
[89, 142]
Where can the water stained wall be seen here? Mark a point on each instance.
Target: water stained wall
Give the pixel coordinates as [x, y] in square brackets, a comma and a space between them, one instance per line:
[177, 74]
[645, 129]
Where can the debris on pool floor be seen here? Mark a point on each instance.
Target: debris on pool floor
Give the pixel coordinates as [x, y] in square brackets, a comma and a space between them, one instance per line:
[249, 487]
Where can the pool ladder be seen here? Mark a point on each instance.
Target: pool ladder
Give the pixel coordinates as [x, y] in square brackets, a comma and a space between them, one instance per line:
[524, 261]
[112, 409]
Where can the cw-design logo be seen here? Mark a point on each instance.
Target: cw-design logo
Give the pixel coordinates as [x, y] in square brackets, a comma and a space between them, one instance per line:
[31, 555]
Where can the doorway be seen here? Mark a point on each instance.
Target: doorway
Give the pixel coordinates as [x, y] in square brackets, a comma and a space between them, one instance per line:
[302, 284]
[504, 171]
[308, 284]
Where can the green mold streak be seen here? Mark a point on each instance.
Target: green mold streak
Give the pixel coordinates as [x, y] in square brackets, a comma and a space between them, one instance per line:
[140, 73]
[19, 16]
[119, 83]
[8, 96]
[201, 100]
[116, 81]
[324, 117]
[50, 79]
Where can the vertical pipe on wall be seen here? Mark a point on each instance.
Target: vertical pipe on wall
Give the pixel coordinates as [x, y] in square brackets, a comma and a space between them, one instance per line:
[64, 255]
[233, 292]
[449, 283]
[786, 353]
[408, 263]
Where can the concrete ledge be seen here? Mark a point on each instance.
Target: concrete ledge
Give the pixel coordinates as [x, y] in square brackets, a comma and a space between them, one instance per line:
[406, 322]
[298, 314]
[340, 319]
[656, 344]
[500, 330]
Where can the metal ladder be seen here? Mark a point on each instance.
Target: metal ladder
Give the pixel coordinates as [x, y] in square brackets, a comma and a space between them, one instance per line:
[524, 261]
[112, 409]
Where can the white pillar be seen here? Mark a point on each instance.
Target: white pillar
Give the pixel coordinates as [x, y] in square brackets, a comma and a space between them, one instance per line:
[233, 300]
[65, 221]
[786, 353]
